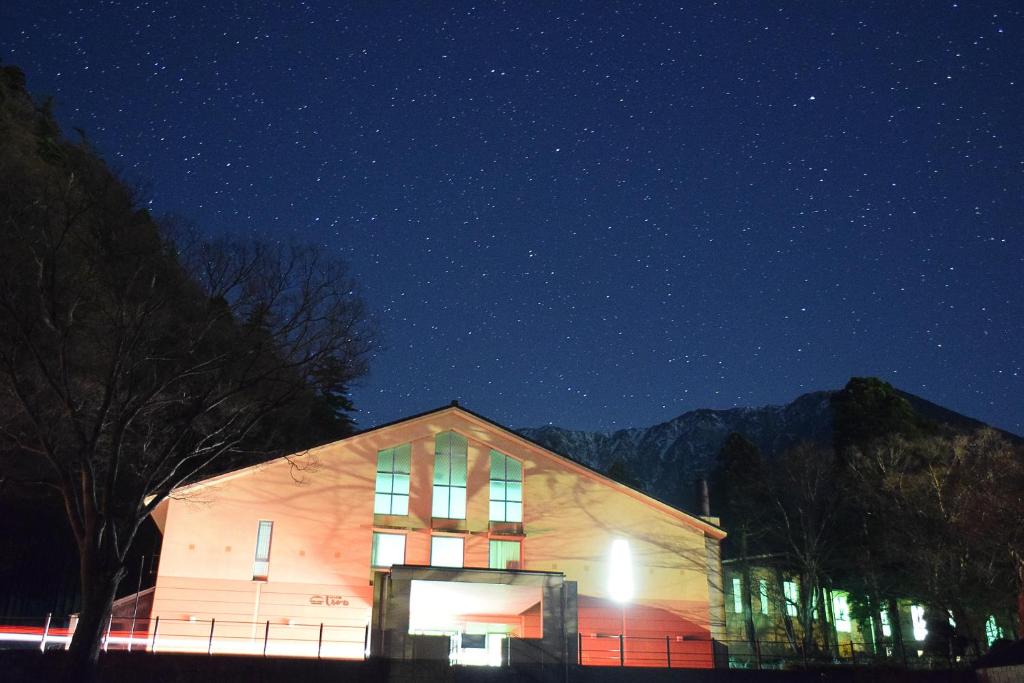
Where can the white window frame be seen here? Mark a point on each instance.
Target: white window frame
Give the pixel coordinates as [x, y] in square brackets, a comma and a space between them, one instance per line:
[450, 541]
[375, 545]
[261, 560]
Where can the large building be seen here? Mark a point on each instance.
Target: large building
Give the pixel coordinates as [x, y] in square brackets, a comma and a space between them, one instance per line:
[440, 535]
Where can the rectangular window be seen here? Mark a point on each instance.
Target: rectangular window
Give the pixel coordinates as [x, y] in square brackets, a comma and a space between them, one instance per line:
[388, 549]
[792, 592]
[445, 551]
[505, 555]
[841, 612]
[920, 625]
[886, 626]
[506, 488]
[737, 596]
[762, 589]
[449, 476]
[261, 563]
[392, 492]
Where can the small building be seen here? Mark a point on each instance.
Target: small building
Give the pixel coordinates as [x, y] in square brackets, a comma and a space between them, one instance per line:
[443, 535]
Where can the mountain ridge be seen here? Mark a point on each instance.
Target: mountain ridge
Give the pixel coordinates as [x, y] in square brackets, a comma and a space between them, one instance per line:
[667, 458]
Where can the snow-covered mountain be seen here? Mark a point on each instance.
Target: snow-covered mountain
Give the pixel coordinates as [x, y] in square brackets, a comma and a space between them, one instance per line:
[668, 458]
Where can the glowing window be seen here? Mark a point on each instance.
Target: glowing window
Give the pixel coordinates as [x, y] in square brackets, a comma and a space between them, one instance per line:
[388, 549]
[449, 476]
[886, 626]
[620, 572]
[505, 555]
[841, 612]
[917, 618]
[993, 631]
[392, 492]
[261, 563]
[792, 594]
[445, 551]
[762, 589]
[506, 488]
[737, 596]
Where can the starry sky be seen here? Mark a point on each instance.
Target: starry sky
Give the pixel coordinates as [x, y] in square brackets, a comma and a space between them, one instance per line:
[593, 214]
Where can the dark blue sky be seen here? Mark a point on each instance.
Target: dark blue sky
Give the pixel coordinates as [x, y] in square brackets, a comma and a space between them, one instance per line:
[595, 214]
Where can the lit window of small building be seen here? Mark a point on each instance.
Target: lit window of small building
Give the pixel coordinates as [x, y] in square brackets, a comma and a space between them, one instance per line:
[886, 625]
[737, 595]
[792, 595]
[449, 500]
[993, 631]
[841, 612]
[392, 490]
[917, 619]
[388, 549]
[762, 589]
[446, 551]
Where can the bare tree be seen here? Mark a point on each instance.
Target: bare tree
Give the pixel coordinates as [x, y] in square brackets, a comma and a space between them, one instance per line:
[130, 364]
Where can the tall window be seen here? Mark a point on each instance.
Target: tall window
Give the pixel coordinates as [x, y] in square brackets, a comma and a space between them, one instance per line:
[445, 551]
[505, 555]
[918, 621]
[506, 488]
[449, 476]
[737, 596]
[993, 631]
[762, 589]
[261, 563]
[388, 549]
[841, 612]
[392, 493]
[792, 594]
[886, 626]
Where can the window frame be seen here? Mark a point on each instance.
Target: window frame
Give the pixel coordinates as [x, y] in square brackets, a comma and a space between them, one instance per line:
[392, 496]
[448, 487]
[505, 501]
[262, 561]
[373, 545]
[462, 543]
[490, 553]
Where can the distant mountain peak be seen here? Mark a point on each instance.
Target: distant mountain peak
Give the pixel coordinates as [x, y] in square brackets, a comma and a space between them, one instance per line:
[667, 458]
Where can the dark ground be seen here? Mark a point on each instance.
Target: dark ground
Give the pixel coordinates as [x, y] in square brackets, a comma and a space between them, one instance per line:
[26, 666]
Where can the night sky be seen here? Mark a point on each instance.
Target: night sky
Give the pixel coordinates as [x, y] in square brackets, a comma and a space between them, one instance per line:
[594, 214]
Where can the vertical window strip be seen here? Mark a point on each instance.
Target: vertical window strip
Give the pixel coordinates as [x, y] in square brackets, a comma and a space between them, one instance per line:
[506, 488]
[737, 596]
[792, 595]
[762, 585]
[450, 454]
[261, 561]
[392, 488]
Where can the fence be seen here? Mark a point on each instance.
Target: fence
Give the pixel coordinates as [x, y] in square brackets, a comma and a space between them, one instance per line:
[339, 641]
[198, 636]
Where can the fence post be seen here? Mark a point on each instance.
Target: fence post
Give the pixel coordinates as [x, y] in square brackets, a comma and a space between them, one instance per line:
[668, 651]
[156, 627]
[266, 636]
[320, 640]
[579, 649]
[209, 644]
[622, 649]
[106, 638]
[757, 652]
[46, 632]
[366, 639]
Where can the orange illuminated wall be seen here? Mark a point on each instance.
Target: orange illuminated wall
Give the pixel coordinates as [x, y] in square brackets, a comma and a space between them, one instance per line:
[321, 505]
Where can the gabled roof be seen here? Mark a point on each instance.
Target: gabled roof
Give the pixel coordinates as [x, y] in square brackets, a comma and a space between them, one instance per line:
[699, 523]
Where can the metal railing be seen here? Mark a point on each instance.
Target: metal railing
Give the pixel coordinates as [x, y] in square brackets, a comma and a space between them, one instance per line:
[203, 636]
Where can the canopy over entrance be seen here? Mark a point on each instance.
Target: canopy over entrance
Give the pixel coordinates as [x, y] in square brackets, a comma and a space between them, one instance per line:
[472, 616]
